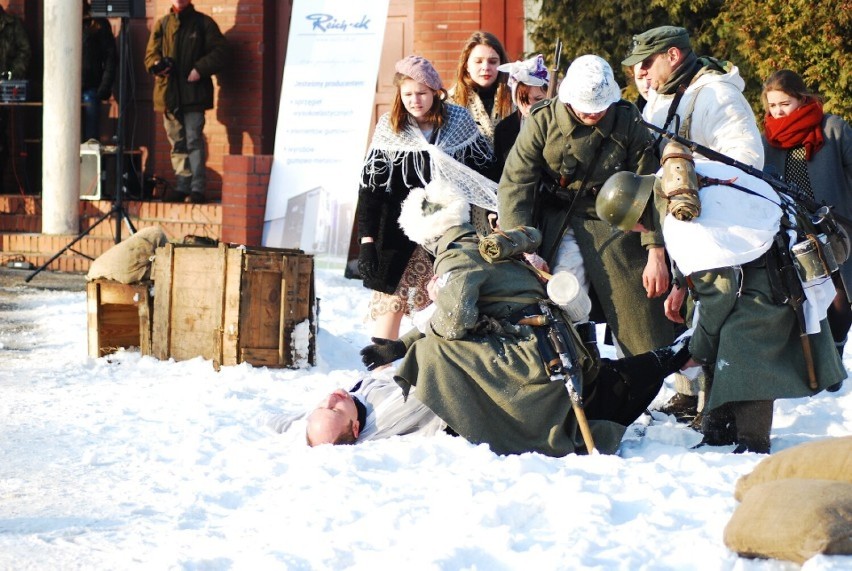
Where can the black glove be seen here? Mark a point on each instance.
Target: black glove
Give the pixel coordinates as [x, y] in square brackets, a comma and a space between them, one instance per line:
[381, 352]
[368, 261]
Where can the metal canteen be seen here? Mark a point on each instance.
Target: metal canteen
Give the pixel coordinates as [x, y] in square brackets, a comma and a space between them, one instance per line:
[564, 290]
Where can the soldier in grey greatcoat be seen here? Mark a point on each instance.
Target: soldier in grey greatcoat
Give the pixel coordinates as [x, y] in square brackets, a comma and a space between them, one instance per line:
[745, 335]
[482, 370]
[567, 148]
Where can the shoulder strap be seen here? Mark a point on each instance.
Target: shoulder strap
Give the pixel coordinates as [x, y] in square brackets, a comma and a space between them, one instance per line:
[681, 89]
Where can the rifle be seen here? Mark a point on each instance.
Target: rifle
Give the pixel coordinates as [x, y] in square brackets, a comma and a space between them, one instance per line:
[554, 71]
[775, 182]
[561, 340]
[792, 290]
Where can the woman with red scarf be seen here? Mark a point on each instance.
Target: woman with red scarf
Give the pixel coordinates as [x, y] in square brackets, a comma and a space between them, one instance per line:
[813, 150]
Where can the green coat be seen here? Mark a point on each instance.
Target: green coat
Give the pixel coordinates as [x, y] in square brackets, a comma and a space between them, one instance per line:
[15, 49]
[193, 40]
[753, 343]
[492, 387]
[553, 142]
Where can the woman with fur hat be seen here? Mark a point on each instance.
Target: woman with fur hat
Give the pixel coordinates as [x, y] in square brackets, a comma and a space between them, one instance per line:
[481, 368]
[528, 82]
[422, 136]
[566, 151]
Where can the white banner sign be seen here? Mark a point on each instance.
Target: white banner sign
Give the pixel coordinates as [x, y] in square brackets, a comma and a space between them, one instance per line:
[327, 94]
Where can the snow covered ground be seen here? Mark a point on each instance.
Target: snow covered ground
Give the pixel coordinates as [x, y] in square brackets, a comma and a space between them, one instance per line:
[127, 462]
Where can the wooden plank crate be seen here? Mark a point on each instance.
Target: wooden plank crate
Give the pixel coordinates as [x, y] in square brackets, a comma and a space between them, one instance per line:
[119, 315]
[233, 304]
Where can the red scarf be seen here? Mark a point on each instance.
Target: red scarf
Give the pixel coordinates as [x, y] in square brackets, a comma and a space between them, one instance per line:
[801, 127]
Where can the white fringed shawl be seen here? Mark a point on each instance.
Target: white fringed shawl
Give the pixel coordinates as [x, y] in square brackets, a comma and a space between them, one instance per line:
[458, 140]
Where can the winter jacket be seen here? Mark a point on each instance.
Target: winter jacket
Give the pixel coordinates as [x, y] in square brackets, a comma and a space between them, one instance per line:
[714, 113]
[830, 173]
[505, 134]
[15, 50]
[99, 57]
[192, 40]
[552, 142]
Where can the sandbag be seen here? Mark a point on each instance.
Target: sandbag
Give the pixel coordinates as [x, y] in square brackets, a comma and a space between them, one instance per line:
[793, 519]
[829, 459]
[129, 261]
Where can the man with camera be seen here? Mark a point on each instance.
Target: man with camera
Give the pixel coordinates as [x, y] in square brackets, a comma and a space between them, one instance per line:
[184, 50]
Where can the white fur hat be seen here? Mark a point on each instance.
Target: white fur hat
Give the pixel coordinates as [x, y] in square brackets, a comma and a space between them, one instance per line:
[427, 213]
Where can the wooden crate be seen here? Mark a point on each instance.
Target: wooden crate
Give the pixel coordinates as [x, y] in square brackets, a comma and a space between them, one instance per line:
[233, 304]
[119, 315]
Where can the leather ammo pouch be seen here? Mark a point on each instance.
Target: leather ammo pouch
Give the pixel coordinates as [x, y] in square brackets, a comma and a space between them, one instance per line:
[784, 281]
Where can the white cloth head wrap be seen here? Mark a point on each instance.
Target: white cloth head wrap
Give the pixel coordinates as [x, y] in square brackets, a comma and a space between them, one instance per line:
[529, 71]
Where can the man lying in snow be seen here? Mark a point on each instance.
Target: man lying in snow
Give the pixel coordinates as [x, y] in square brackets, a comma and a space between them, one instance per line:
[484, 364]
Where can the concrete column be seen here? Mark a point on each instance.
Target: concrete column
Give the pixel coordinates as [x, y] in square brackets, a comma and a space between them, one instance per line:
[63, 52]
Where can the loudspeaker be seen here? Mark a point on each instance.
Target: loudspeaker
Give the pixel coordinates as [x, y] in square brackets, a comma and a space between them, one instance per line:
[118, 8]
[97, 172]
[90, 171]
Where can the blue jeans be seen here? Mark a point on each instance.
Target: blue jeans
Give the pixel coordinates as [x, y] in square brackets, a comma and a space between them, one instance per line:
[91, 118]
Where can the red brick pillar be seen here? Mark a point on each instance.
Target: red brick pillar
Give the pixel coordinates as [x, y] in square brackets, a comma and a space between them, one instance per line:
[245, 180]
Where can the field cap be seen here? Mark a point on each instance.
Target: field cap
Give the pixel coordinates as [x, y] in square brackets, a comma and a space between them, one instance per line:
[656, 40]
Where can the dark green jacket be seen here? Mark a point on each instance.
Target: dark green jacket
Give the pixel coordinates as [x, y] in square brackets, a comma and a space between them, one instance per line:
[552, 142]
[15, 50]
[492, 387]
[193, 40]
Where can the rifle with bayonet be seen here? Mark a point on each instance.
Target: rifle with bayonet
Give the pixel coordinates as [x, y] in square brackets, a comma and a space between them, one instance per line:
[554, 71]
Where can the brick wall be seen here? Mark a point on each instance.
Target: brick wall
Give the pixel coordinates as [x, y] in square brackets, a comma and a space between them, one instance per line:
[442, 26]
[245, 180]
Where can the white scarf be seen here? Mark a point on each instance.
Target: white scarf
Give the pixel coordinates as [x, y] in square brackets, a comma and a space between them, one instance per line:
[457, 138]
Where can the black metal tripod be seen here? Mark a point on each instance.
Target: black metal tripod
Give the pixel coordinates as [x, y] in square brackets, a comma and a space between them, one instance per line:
[117, 209]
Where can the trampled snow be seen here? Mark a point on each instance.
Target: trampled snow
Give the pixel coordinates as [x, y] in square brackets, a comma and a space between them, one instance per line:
[127, 462]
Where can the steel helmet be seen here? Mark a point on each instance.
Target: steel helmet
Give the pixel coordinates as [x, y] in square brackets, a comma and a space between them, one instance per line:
[623, 198]
[589, 86]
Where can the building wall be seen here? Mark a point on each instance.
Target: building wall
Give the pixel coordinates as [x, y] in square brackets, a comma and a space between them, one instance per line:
[442, 26]
[247, 92]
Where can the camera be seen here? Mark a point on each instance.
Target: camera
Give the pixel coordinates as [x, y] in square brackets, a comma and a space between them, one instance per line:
[162, 66]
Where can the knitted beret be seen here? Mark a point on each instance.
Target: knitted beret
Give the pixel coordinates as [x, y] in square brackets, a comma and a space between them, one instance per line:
[419, 69]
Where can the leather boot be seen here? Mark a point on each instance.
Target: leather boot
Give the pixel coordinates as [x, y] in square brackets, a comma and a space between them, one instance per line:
[719, 426]
[753, 423]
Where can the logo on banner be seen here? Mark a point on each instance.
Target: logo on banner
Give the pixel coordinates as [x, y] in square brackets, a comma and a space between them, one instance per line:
[327, 22]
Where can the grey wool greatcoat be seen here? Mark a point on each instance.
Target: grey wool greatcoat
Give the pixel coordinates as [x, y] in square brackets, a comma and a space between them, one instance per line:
[830, 173]
[553, 142]
[492, 387]
[753, 343]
